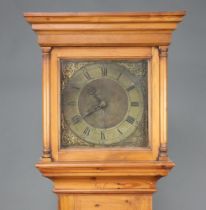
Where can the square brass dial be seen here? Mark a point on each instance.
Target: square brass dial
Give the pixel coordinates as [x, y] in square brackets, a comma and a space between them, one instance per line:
[104, 103]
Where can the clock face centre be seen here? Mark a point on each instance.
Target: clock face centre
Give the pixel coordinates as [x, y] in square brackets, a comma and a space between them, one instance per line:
[103, 103]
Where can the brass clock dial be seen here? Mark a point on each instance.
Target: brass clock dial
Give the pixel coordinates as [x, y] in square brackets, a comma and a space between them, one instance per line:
[103, 103]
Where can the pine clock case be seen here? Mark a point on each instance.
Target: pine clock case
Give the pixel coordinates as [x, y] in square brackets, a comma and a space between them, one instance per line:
[103, 154]
[83, 178]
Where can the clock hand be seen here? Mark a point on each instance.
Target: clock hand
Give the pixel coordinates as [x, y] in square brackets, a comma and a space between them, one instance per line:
[94, 109]
[92, 91]
[91, 111]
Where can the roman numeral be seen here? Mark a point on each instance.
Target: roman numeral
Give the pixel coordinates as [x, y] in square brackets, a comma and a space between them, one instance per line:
[130, 119]
[120, 74]
[86, 131]
[104, 71]
[71, 103]
[119, 131]
[87, 75]
[76, 119]
[75, 87]
[130, 88]
[134, 103]
[102, 136]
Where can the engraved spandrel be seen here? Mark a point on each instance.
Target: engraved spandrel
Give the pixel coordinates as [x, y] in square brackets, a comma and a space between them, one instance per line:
[136, 68]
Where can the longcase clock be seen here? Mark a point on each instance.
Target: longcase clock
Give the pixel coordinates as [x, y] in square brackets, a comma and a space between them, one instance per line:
[104, 106]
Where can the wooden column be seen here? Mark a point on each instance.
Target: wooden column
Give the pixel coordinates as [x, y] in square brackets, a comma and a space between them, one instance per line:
[46, 156]
[163, 153]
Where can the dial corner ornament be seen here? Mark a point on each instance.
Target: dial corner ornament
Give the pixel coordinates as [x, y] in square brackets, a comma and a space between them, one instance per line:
[104, 103]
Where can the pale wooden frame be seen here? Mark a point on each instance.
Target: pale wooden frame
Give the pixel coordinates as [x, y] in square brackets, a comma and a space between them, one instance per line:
[111, 53]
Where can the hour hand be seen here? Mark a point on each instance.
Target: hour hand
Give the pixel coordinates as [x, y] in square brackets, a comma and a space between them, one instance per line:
[92, 91]
[95, 108]
[91, 111]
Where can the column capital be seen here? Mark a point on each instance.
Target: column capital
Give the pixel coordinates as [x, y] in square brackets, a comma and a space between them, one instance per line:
[163, 51]
[46, 50]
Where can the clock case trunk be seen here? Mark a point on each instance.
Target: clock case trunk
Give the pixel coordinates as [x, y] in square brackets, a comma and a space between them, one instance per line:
[123, 178]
